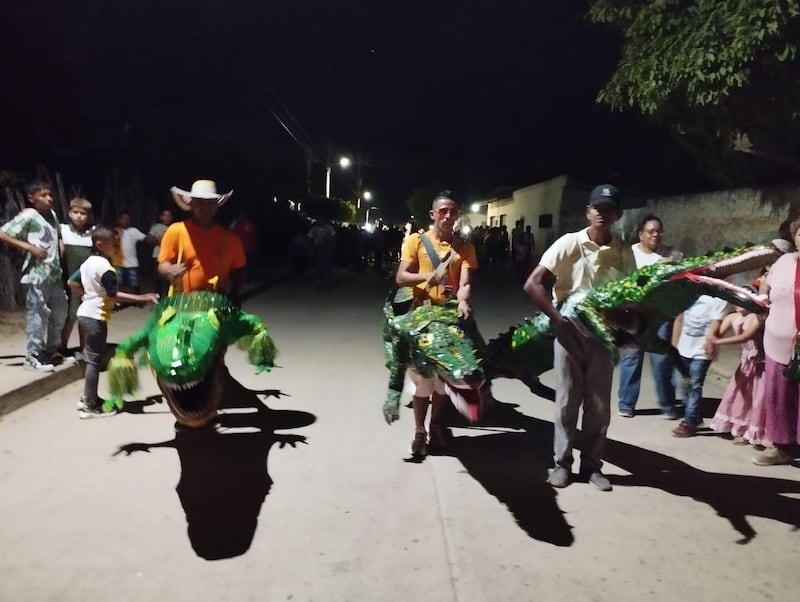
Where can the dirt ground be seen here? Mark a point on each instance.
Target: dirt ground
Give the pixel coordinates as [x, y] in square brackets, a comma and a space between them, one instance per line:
[11, 322]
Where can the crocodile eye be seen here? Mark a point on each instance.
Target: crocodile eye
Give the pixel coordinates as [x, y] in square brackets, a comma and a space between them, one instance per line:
[213, 319]
[168, 313]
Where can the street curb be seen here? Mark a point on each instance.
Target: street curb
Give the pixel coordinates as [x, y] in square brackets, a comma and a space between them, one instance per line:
[22, 396]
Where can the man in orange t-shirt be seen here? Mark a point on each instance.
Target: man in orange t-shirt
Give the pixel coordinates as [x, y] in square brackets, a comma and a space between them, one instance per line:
[198, 254]
[417, 269]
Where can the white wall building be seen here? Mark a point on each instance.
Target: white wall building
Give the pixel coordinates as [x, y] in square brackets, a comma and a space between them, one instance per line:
[538, 206]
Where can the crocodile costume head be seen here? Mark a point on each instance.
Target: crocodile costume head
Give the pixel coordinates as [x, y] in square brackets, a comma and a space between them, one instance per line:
[629, 311]
[435, 341]
[185, 340]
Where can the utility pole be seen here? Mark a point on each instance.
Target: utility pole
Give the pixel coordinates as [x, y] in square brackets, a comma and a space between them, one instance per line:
[308, 171]
[358, 181]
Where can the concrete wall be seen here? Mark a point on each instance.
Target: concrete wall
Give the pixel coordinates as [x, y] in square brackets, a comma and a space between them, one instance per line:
[701, 222]
[500, 212]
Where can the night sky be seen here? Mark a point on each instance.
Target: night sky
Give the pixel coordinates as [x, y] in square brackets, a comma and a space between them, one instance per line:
[472, 95]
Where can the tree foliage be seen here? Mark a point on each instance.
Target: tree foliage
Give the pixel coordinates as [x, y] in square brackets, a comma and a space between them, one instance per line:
[724, 73]
[337, 210]
[420, 201]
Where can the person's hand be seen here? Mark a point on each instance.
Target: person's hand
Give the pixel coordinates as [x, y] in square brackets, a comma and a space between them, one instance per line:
[564, 328]
[433, 280]
[175, 271]
[464, 309]
[38, 252]
[710, 348]
[151, 298]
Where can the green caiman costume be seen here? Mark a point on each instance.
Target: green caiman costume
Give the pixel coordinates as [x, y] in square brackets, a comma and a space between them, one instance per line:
[185, 339]
[622, 312]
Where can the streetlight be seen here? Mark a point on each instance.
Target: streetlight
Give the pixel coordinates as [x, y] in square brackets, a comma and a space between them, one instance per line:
[344, 163]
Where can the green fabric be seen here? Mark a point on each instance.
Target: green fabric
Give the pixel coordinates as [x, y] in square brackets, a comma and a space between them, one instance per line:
[629, 310]
[184, 336]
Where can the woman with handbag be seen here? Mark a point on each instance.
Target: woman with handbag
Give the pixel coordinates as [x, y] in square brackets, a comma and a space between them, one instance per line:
[782, 363]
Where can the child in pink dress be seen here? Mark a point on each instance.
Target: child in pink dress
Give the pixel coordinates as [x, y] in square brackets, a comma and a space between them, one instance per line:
[741, 409]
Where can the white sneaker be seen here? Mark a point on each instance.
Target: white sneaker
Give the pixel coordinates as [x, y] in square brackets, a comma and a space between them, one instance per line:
[35, 364]
[89, 412]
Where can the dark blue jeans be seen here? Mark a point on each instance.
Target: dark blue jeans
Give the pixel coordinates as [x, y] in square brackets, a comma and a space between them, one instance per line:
[630, 375]
[698, 368]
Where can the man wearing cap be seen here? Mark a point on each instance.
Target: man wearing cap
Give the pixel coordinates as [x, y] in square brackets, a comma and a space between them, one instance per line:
[198, 254]
[574, 264]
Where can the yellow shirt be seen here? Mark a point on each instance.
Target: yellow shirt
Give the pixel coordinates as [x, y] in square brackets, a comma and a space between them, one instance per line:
[414, 253]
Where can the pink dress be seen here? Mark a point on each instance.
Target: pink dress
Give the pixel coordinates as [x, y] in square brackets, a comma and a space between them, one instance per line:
[741, 409]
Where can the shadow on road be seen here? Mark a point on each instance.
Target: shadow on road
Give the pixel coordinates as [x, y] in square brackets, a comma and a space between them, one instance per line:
[224, 478]
[733, 497]
[513, 468]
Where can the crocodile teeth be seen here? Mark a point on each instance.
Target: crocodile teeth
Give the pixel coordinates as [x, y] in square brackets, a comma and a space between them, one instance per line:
[183, 386]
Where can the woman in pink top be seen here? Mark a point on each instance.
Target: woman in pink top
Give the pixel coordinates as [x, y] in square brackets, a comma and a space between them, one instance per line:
[781, 395]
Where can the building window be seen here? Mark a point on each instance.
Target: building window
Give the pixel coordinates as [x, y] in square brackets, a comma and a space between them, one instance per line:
[546, 220]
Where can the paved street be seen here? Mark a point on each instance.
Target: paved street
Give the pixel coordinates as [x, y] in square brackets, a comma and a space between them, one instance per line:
[308, 497]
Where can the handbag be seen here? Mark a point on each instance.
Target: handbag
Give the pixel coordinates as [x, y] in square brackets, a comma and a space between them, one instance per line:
[792, 370]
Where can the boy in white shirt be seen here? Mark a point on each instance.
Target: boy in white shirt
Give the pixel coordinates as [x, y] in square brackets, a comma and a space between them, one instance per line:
[96, 280]
[690, 336]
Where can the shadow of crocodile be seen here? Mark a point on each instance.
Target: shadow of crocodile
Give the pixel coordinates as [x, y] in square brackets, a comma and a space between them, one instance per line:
[512, 466]
[224, 475]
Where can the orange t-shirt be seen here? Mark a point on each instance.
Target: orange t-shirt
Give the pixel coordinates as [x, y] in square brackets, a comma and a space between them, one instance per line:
[209, 254]
[414, 253]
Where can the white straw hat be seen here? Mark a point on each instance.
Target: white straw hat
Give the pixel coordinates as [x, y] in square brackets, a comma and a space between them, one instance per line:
[201, 189]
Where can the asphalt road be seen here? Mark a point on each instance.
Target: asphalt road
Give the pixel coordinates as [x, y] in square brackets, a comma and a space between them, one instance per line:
[305, 493]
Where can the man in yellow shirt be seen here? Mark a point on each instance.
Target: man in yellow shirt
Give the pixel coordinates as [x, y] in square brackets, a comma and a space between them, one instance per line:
[418, 269]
